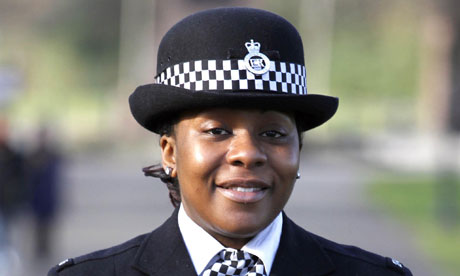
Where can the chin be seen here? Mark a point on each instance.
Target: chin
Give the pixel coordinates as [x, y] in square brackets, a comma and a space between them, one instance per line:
[244, 225]
[240, 232]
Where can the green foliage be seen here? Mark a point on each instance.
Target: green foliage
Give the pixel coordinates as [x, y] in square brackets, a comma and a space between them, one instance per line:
[70, 55]
[373, 63]
[418, 201]
[375, 53]
[287, 9]
[70, 60]
[90, 29]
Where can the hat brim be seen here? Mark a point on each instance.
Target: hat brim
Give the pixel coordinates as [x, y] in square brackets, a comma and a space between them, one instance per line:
[153, 104]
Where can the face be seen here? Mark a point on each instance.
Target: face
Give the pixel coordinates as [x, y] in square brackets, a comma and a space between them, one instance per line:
[236, 169]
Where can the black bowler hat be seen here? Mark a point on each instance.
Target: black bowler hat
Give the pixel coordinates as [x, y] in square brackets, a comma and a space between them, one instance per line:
[230, 57]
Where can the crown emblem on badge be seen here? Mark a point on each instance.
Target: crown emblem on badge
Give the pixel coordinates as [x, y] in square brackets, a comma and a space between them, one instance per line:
[256, 62]
[253, 47]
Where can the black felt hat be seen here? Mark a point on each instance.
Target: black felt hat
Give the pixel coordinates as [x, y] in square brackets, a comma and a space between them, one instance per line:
[230, 57]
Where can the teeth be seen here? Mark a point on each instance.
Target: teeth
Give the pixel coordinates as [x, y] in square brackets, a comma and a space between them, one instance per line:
[245, 190]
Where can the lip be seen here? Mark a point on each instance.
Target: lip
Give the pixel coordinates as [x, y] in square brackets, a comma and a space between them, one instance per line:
[243, 190]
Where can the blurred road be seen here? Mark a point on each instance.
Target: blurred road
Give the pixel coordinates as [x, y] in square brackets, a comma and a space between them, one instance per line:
[107, 200]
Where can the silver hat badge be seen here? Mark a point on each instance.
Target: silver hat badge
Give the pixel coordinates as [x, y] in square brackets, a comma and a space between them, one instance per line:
[255, 61]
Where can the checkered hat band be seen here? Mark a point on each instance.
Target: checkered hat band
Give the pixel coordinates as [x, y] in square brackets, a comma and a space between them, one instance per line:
[232, 74]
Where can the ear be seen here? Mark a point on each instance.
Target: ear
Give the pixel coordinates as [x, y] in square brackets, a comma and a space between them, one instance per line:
[168, 153]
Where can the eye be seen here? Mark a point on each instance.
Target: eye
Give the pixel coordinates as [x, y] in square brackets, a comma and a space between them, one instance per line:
[273, 134]
[218, 131]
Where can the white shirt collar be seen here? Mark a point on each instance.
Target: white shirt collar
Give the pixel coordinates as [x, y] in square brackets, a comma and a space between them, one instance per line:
[202, 247]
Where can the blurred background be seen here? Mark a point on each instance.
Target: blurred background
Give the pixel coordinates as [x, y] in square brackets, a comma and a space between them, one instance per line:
[382, 175]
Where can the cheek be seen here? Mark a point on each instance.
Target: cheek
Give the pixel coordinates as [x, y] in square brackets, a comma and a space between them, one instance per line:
[196, 164]
[197, 154]
[285, 165]
[286, 162]
[194, 158]
[196, 167]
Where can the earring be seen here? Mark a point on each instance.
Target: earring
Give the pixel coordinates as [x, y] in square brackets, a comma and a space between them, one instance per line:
[168, 171]
[298, 175]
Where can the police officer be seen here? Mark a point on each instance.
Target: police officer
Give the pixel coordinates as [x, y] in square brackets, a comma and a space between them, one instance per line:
[230, 104]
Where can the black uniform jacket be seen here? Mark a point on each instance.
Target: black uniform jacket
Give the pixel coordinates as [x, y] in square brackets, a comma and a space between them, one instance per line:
[163, 252]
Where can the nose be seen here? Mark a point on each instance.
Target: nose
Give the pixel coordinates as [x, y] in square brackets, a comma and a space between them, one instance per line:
[245, 151]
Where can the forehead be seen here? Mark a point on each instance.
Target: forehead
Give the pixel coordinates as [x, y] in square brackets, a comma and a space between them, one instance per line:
[239, 115]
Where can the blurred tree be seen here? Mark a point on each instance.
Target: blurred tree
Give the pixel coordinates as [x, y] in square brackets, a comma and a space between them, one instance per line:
[452, 9]
[448, 203]
[91, 29]
[375, 49]
[287, 9]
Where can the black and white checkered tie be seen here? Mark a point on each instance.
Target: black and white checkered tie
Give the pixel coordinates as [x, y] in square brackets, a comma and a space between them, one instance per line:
[236, 262]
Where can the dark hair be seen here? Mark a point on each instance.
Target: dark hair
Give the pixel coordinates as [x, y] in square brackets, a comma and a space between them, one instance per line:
[171, 183]
[167, 128]
[157, 170]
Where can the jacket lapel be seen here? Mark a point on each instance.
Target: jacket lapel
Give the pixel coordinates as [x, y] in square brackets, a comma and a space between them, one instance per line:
[163, 252]
[299, 254]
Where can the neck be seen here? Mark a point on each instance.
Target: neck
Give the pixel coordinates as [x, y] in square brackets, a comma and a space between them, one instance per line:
[236, 243]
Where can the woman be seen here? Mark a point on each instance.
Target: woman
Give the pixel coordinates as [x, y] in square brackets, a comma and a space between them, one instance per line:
[230, 104]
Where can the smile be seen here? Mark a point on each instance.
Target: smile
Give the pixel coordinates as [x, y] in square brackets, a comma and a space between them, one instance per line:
[243, 191]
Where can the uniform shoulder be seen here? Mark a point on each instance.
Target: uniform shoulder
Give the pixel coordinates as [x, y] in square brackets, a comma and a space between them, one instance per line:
[99, 262]
[355, 258]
